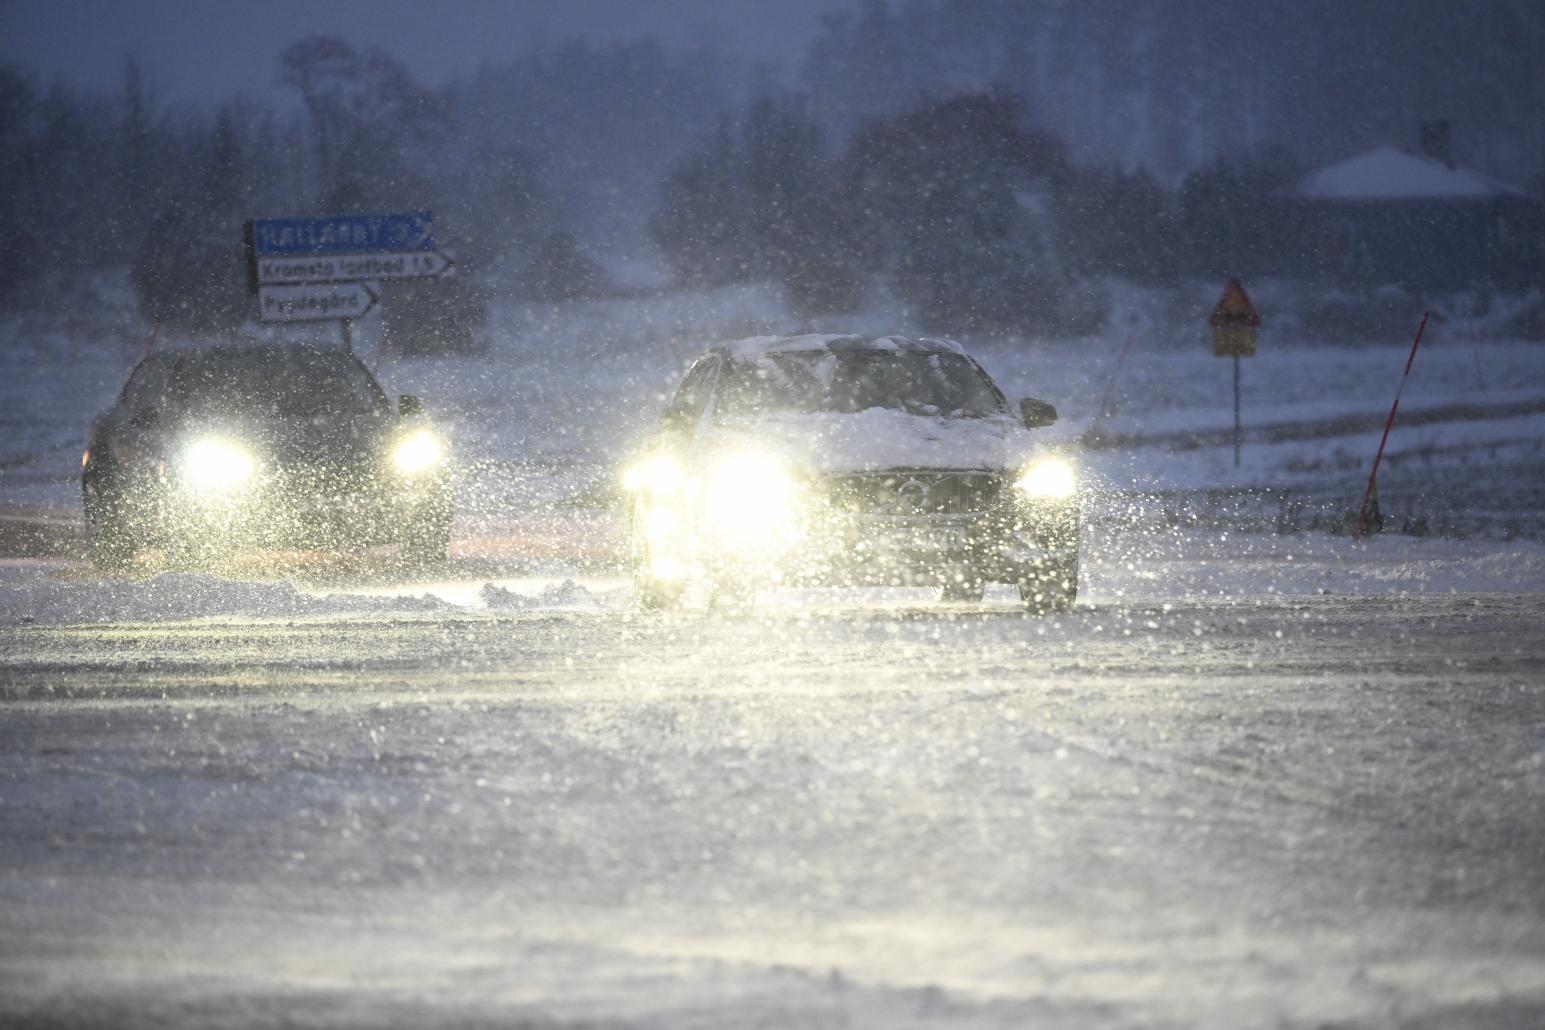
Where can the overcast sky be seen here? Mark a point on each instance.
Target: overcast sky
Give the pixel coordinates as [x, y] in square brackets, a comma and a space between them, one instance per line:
[199, 50]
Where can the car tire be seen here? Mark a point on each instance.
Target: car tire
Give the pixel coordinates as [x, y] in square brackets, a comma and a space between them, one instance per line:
[112, 545]
[969, 587]
[731, 592]
[185, 553]
[654, 596]
[1051, 588]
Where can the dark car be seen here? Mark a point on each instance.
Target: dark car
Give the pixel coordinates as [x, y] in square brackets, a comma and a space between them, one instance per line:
[850, 460]
[235, 447]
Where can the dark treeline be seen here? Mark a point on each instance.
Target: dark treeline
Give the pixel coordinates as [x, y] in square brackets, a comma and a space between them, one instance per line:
[959, 207]
[985, 161]
[512, 162]
[1173, 86]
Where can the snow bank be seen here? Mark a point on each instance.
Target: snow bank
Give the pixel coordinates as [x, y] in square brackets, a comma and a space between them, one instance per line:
[1513, 569]
[567, 594]
[178, 595]
[1194, 565]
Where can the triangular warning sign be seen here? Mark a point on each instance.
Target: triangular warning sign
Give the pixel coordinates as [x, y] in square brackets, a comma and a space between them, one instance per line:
[1234, 311]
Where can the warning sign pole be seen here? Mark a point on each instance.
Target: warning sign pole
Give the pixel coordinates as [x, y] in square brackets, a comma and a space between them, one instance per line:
[1236, 410]
[1361, 528]
[1234, 322]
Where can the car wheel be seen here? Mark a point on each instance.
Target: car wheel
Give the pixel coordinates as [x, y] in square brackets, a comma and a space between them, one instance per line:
[965, 585]
[731, 592]
[112, 545]
[655, 596]
[186, 552]
[1051, 588]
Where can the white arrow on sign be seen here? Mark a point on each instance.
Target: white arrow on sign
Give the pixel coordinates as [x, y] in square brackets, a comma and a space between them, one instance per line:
[314, 302]
[338, 268]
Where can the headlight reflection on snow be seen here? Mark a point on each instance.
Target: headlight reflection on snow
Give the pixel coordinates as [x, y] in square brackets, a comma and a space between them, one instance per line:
[215, 465]
[1049, 477]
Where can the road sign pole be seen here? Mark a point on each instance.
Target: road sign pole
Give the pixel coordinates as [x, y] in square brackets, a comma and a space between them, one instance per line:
[346, 325]
[1236, 410]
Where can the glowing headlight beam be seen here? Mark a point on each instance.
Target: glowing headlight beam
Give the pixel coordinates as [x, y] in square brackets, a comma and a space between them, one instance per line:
[750, 492]
[217, 465]
[1050, 477]
[667, 569]
[417, 452]
[656, 474]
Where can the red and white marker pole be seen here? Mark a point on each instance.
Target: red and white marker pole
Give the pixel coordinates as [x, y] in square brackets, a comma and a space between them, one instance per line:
[150, 344]
[1362, 516]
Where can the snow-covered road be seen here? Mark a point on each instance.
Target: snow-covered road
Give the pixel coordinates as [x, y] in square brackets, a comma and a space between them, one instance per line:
[1263, 810]
[1263, 775]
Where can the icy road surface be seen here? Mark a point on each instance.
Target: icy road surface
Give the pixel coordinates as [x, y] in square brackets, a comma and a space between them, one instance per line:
[1245, 811]
[1261, 777]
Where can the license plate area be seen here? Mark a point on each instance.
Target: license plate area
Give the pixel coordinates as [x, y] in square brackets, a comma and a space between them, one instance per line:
[912, 538]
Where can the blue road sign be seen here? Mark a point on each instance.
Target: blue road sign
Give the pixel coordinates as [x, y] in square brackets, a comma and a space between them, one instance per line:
[344, 234]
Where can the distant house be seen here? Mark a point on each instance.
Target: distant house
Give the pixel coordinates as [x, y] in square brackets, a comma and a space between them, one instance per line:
[1415, 220]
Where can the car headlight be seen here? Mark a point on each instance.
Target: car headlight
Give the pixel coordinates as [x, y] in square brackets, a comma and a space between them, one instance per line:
[656, 474]
[750, 492]
[216, 465]
[1049, 477]
[417, 452]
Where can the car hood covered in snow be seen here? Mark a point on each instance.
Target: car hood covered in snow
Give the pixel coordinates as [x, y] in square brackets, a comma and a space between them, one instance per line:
[879, 439]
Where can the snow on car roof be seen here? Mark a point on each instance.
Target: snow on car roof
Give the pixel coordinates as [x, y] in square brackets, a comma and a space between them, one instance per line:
[754, 347]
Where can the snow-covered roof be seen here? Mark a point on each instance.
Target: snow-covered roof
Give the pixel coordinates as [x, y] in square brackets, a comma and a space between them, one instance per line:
[755, 346]
[1388, 173]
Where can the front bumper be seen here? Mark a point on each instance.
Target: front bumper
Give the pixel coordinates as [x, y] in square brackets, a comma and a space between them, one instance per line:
[824, 542]
[1003, 545]
[299, 510]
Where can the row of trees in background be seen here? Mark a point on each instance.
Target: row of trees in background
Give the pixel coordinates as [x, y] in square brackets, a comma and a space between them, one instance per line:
[909, 160]
[121, 180]
[963, 208]
[1173, 86]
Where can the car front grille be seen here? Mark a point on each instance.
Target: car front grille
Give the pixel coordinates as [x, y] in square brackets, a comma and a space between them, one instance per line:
[322, 491]
[323, 479]
[915, 493]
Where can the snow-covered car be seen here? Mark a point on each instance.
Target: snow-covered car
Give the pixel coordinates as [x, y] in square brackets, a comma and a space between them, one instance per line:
[219, 449]
[854, 461]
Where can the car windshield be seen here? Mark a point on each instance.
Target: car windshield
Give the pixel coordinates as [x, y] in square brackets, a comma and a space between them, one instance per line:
[917, 382]
[285, 382]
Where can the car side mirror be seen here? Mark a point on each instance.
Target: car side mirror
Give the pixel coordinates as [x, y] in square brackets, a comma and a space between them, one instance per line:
[409, 406]
[144, 418]
[1035, 414]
